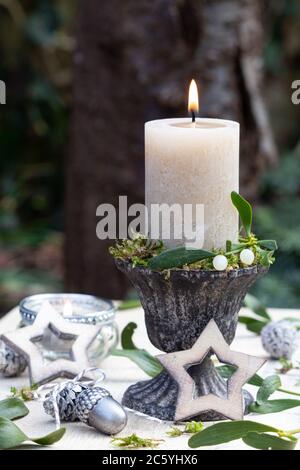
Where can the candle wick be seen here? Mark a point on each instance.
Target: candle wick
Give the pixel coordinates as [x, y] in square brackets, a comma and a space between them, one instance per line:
[193, 116]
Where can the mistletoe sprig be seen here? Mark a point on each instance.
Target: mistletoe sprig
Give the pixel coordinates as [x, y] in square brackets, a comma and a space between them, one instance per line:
[256, 435]
[263, 249]
[260, 317]
[11, 435]
[248, 251]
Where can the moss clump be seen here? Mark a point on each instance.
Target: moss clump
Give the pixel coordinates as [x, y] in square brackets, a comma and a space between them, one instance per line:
[139, 250]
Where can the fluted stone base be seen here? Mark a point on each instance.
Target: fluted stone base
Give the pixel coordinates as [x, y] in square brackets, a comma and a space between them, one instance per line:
[177, 309]
[157, 397]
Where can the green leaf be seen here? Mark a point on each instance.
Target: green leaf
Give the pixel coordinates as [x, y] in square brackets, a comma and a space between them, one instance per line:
[268, 244]
[226, 432]
[256, 306]
[245, 320]
[13, 408]
[228, 245]
[265, 257]
[267, 442]
[11, 436]
[255, 326]
[177, 257]
[142, 358]
[238, 246]
[127, 304]
[269, 386]
[226, 372]
[274, 406]
[50, 438]
[244, 210]
[126, 336]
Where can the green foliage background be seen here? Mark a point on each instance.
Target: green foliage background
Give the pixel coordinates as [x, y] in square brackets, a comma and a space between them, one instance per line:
[278, 215]
[35, 49]
[36, 42]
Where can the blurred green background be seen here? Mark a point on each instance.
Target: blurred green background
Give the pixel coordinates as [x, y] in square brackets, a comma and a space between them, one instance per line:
[36, 45]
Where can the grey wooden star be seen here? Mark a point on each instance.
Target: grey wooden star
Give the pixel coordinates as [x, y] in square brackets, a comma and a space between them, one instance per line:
[78, 336]
[176, 364]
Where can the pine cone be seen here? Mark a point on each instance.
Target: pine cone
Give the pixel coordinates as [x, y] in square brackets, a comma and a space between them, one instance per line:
[12, 364]
[279, 339]
[66, 400]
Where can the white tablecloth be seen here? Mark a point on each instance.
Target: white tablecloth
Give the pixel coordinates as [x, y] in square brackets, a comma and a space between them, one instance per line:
[121, 373]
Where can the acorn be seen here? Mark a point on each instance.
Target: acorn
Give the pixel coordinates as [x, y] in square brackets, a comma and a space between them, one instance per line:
[97, 408]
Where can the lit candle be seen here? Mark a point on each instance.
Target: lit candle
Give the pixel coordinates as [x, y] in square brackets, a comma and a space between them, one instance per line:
[68, 308]
[194, 161]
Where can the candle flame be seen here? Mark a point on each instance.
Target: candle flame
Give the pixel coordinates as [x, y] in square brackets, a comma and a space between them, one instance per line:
[193, 105]
[68, 308]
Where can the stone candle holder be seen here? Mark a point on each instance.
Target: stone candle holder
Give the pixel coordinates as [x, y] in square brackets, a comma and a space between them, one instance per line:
[177, 309]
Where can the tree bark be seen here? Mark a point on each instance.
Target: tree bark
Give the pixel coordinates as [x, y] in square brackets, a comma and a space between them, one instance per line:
[133, 62]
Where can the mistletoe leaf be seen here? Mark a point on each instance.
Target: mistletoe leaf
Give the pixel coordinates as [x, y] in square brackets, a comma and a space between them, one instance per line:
[128, 304]
[226, 432]
[255, 326]
[244, 209]
[256, 306]
[268, 244]
[126, 336]
[268, 442]
[274, 406]
[269, 386]
[177, 257]
[141, 358]
[13, 408]
[51, 438]
[12, 436]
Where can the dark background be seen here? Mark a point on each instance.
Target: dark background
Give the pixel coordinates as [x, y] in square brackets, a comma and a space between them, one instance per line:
[83, 76]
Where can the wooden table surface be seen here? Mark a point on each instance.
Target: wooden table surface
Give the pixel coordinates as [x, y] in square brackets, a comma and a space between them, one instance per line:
[121, 373]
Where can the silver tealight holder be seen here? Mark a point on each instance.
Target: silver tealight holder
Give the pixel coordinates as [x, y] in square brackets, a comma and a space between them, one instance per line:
[77, 308]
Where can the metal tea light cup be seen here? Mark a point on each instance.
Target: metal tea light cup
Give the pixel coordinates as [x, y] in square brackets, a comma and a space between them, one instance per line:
[86, 309]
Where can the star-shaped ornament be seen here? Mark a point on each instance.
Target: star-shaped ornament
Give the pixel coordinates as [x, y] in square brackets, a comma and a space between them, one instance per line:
[178, 363]
[63, 343]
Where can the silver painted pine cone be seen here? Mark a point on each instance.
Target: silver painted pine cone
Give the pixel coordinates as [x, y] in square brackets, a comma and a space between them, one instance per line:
[12, 364]
[279, 339]
[66, 400]
[97, 408]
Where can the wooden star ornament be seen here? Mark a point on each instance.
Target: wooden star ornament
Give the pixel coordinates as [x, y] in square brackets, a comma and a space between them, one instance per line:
[28, 341]
[177, 364]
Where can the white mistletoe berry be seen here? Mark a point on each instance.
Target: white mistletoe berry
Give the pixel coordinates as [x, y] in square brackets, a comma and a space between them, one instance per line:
[247, 256]
[220, 262]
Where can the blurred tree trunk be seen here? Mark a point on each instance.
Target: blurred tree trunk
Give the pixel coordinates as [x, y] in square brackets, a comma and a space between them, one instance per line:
[133, 62]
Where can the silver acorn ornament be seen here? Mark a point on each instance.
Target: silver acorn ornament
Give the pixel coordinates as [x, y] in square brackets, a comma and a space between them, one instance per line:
[97, 408]
[66, 401]
[279, 339]
[12, 364]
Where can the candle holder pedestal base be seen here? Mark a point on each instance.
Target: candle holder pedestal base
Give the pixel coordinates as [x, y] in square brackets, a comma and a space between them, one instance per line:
[157, 397]
[177, 309]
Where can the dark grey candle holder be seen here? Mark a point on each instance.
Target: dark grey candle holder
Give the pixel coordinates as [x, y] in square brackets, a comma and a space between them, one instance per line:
[177, 309]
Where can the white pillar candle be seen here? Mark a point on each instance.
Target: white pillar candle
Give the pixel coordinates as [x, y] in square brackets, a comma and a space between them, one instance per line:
[195, 163]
